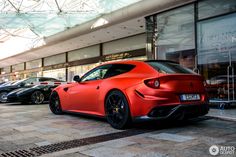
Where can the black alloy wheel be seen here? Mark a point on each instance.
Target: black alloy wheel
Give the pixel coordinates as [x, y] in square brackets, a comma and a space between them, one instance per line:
[117, 110]
[54, 104]
[37, 97]
[3, 97]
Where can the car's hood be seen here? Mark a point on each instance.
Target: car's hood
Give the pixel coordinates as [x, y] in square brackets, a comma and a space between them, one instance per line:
[7, 87]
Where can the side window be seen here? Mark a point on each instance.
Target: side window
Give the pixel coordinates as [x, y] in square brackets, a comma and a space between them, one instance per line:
[30, 81]
[118, 69]
[96, 74]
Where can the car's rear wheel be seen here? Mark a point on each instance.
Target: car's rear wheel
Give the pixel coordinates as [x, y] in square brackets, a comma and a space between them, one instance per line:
[117, 110]
[55, 104]
[37, 97]
[3, 97]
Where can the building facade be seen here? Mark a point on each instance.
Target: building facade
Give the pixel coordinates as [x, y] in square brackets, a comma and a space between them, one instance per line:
[200, 35]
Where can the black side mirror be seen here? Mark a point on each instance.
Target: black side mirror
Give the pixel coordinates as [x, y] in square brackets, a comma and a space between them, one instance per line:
[76, 78]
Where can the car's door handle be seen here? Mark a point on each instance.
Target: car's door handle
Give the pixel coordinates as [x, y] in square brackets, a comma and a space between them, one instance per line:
[97, 87]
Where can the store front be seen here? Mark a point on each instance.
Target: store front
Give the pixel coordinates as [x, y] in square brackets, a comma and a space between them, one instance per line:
[5, 74]
[55, 66]
[202, 37]
[82, 60]
[56, 73]
[33, 68]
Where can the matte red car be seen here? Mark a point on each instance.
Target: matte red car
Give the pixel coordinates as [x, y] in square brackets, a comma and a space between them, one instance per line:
[126, 91]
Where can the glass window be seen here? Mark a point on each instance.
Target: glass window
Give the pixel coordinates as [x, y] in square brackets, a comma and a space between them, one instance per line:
[84, 53]
[34, 64]
[126, 44]
[5, 70]
[96, 74]
[33, 74]
[175, 36]
[211, 8]
[18, 82]
[80, 70]
[30, 81]
[57, 59]
[216, 39]
[25, 82]
[117, 69]
[18, 67]
[57, 73]
[169, 68]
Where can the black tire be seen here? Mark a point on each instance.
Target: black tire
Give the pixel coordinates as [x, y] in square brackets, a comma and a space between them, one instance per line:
[37, 97]
[117, 110]
[3, 96]
[54, 104]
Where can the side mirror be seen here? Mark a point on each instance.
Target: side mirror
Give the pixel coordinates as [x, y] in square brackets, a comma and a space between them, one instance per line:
[76, 78]
[22, 84]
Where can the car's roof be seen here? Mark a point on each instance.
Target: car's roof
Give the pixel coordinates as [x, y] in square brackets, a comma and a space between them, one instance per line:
[122, 62]
[136, 61]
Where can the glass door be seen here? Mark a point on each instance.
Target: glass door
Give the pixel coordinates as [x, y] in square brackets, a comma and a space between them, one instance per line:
[216, 56]
[220, 78]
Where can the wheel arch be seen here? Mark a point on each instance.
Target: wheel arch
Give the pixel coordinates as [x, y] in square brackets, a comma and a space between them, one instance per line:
[37, 90]
[40, 90]
[4, 91]
[116, 89]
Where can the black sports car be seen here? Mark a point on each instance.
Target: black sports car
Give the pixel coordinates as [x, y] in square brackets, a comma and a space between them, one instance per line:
[36, 94]
[25, 83]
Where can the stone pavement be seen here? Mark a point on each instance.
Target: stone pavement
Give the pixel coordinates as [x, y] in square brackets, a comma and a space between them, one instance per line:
[227, 114]
[28, 126]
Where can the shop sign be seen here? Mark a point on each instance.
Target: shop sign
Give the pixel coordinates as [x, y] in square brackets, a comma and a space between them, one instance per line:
[57, 66]
[117, 56]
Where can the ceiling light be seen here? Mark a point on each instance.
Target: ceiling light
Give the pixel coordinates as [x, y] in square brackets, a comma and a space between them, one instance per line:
[100, 22]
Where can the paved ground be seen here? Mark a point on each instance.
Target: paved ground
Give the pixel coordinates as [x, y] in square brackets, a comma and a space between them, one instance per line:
[228, 114]
[23, 127]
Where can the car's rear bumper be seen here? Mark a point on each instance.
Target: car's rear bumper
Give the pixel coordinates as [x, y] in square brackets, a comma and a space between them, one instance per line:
[180, 111]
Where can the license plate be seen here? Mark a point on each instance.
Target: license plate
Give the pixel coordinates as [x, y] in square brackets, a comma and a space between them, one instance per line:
[189, 97]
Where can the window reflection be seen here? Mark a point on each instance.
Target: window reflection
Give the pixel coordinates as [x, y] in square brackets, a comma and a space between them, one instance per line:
[175, 36]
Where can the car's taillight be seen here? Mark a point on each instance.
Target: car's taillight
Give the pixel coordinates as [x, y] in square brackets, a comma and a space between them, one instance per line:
[153, 83]
[44, 83]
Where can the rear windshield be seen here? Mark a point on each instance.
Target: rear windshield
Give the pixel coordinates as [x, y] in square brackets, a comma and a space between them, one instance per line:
[169, 68]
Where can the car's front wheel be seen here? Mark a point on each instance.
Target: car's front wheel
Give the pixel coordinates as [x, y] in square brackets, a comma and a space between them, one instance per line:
[3, 97]
[54, 103]
[117, 110]
[37, 97]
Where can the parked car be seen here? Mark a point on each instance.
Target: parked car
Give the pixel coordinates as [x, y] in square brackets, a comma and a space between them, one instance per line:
[25, 83]
[36, 94]
[126, 91]
[7, 83]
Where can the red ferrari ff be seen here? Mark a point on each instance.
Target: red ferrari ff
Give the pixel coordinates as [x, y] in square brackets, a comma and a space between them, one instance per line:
[125, 91]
